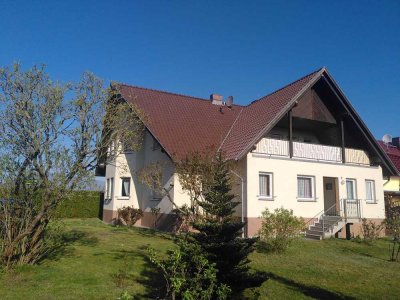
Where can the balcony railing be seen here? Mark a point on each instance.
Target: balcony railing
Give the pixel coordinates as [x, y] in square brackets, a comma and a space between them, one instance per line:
[312, 151]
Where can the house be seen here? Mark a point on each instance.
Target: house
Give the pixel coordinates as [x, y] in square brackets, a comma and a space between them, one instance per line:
[302, 147]
[391, 184]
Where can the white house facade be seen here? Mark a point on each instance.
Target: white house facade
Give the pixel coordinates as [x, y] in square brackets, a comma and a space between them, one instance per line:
[303, 147]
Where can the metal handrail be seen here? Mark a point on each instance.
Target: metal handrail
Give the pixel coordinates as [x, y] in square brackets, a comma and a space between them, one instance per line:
[318, 215]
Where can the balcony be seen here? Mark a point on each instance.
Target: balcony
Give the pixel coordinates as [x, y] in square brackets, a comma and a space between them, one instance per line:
[312, 151]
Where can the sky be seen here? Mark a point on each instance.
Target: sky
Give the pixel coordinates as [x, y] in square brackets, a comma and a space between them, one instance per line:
[246, 49]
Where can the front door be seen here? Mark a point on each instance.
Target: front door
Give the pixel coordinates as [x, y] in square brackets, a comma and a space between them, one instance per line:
[331, 203]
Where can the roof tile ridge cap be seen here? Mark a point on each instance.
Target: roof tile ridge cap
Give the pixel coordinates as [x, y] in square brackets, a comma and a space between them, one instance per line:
[230, 129]
[288, 85]
[166, 92]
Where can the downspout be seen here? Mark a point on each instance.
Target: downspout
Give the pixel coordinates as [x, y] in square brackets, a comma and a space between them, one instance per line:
[242, 186]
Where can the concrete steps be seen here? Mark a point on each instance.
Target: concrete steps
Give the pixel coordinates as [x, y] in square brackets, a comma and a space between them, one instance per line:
[326, 227]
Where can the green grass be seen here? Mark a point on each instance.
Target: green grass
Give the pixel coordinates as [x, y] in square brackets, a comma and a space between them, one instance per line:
[330, 269]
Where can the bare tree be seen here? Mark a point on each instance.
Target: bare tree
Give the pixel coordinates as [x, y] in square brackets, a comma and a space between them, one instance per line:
[51, 135]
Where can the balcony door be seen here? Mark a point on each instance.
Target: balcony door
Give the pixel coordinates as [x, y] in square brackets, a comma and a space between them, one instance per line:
[331, 196]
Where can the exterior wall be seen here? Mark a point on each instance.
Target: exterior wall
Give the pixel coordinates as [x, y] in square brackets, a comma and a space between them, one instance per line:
[392, 185]
[284, 182]
[284, 186]
[127, 165]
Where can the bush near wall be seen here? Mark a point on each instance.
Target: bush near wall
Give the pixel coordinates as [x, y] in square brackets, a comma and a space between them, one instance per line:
[81, 204]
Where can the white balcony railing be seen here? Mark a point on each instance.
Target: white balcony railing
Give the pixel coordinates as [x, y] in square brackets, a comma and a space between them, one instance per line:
[312, 151]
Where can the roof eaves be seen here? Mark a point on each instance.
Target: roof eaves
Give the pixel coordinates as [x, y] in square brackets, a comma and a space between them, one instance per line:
[146, 125]
[360, 123]
[282, 112]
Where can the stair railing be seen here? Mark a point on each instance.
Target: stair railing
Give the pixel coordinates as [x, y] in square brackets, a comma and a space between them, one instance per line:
[317, 217]
[351, 208]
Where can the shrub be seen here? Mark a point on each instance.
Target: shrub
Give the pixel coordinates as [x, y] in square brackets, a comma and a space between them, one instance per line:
[79, 204]
[188, 274]
[279, 228]
[128, 215]
[370, 231]
[393, 225]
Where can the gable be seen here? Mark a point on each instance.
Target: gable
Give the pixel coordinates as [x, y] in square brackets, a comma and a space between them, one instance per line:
[310, 106]
[183, 124]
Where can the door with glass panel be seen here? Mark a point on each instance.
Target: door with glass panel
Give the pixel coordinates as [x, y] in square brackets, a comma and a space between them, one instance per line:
[331, 199]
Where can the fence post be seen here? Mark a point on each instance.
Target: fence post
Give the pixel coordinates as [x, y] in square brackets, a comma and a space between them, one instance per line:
[345, 209]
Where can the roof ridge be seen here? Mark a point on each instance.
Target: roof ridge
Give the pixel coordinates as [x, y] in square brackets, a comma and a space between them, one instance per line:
[230, 129]
[166, 92]
[287, 85]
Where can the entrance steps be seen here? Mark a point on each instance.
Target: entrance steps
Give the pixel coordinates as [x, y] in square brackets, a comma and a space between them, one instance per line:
[325, 227]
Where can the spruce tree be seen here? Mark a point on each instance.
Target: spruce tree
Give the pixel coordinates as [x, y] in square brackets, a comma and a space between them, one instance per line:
[219, 232]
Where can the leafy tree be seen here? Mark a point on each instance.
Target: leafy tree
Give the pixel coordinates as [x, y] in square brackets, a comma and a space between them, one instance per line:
[51, 135]
[219, 231]
[188, 274]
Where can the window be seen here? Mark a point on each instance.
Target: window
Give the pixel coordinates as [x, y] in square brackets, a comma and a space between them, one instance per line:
[127, 147]
[156, 145]
[351, 189]
[265, 185]
[110, 188]
[305, 187]
[370, 190]
[156, 195]
[125, 187]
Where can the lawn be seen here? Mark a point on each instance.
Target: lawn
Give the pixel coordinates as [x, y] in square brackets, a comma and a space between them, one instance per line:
[89, 266]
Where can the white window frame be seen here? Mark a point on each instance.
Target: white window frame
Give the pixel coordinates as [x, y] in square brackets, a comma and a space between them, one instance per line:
[303, 199]
[122, 186]
[107, 191]
[109, 188]
[270, 192]
[354, 181]
[373, 192]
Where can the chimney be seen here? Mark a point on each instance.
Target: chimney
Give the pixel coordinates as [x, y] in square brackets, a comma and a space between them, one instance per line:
[396, 142]
[216, 99]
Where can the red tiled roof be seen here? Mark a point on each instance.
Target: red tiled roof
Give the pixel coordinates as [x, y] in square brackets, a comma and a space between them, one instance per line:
[256, 117]
[183, 124]
[393, 152]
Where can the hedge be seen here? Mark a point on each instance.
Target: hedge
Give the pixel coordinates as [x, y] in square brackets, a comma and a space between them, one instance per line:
[81, 204]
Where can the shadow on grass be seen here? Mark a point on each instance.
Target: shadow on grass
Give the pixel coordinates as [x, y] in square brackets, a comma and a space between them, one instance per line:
[151, 232]
[62, 247]
[310, 291]
[150, 277]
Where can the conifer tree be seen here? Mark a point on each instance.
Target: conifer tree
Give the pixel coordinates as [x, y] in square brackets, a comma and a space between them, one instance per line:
[219, 232]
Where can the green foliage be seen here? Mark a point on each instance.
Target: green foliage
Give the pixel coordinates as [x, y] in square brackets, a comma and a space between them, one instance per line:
[219, 231]
[128, 215]
[79, 204]
[392, 224]
[370, 231]
[279, 228]
[125, 296]
[188, 274]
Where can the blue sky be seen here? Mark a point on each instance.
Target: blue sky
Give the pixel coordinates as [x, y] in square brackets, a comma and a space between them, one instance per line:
[240, 48]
